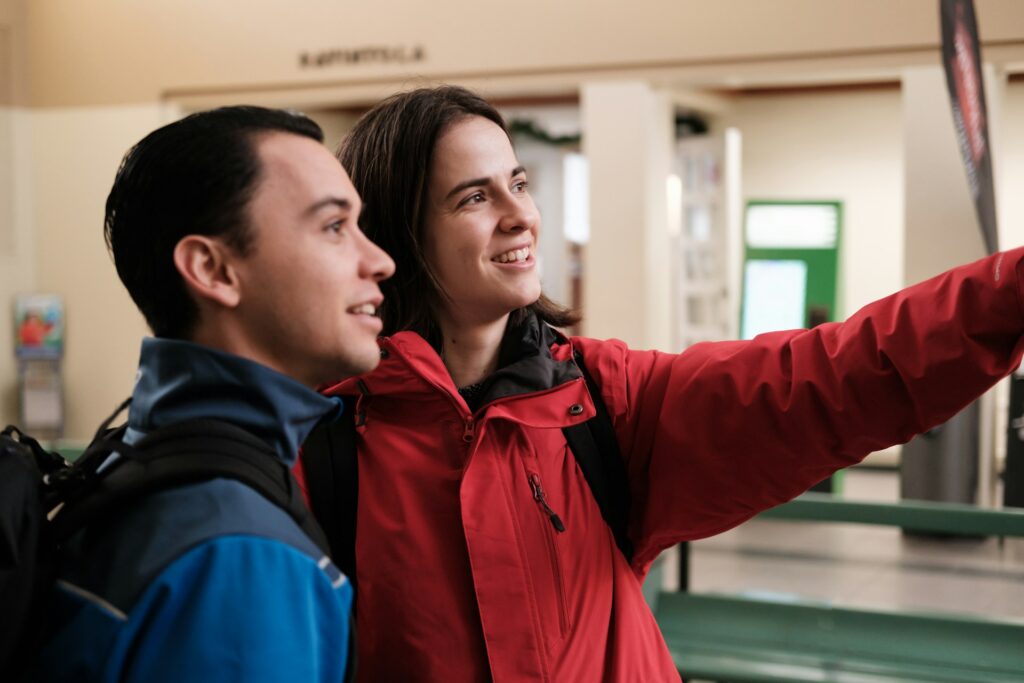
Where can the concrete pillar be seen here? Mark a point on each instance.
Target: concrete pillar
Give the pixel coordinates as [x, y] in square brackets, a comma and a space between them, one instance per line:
[17, 263]
[543, 164]
[627, 138]
[941, 230]
[940, 227]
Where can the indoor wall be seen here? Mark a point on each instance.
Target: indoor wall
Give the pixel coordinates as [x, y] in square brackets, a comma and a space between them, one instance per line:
[842, 144]
[88, 80]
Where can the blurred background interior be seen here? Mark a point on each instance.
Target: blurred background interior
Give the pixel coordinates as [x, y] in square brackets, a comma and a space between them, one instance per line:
[705, 170]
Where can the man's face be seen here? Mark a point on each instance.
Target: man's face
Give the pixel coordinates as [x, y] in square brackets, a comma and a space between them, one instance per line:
[308, 286]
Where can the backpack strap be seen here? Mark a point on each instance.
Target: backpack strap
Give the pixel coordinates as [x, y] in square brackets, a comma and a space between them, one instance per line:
[332, 480]
[177, 455]
[27, 558]
[595, 446]
[332, 474]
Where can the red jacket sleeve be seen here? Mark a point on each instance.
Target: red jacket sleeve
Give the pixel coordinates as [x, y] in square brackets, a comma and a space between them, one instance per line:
[724, 430]
[299, 472]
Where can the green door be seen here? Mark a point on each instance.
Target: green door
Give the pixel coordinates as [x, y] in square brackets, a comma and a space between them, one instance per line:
[790, 265]
[790, 271]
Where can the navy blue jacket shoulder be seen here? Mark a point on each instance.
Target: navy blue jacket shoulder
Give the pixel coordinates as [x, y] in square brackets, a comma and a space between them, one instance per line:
[208, 581]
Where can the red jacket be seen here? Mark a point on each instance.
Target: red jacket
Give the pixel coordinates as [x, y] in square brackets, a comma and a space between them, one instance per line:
[463, 577]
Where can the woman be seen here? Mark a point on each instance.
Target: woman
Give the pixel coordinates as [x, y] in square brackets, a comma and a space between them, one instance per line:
[463, 573]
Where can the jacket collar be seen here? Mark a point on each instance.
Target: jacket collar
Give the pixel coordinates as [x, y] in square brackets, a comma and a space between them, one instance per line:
[179, 380]
[525, 366]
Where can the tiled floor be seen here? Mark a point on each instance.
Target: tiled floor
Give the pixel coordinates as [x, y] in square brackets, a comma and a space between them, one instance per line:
[863, 566]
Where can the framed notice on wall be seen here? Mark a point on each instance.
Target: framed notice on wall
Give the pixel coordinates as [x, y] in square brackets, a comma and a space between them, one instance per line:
[38, 326]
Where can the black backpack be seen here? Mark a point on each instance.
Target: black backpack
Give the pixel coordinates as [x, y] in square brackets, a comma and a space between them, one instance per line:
[332, 476]
[44, 500]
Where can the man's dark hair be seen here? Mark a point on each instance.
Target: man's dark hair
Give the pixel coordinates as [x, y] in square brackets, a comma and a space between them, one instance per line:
[191, 177]
[388, 156]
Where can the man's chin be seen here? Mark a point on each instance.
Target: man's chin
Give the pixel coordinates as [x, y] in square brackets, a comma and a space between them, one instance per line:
[363, 362]
[349, 366]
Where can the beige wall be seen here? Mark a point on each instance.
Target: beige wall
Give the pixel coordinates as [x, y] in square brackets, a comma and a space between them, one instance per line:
[17, 267]
[103, 74]
[14, 77]
[834, 145]
[17, 256]
[843, 145]
[75, 153]
[119, 51]
[850, 146]
[335, 124]
[940, 221]
[1010, 167]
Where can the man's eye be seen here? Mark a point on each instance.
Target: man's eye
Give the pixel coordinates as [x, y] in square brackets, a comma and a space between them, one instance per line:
[520, 186]
[335, 226]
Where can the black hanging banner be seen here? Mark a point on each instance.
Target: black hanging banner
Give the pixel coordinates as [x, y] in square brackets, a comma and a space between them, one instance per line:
[961, 56]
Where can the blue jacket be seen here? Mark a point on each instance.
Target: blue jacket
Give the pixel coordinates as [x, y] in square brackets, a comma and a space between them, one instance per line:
[206, 582]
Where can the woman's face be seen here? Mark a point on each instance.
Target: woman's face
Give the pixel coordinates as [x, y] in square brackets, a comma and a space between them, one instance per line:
[481, 225]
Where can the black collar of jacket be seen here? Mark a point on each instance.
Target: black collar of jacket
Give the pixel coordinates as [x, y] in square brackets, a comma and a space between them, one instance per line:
[525, 365]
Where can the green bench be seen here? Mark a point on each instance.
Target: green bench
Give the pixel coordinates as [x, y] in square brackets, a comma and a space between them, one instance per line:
[69, 450]
[739, 639]
[742, 639]
[954, 519]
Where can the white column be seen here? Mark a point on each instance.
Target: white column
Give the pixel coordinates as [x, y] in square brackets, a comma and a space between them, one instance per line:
[543, 164]
[941, 228]
[17, 265]
[627, 137]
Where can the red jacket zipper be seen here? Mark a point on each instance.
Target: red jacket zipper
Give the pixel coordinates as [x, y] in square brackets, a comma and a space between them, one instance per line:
[538, 495]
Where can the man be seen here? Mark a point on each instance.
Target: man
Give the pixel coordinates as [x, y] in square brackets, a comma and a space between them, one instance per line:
[236, 233]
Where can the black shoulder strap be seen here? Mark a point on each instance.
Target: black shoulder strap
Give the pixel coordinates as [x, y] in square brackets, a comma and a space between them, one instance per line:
[596, 448]
[332, 475]
[177, 455]
[332, 479]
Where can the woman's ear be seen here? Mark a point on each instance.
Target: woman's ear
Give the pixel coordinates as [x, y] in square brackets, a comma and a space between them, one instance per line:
[206, 265]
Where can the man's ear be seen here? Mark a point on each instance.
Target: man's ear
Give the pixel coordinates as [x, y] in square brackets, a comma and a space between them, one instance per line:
[207, 266]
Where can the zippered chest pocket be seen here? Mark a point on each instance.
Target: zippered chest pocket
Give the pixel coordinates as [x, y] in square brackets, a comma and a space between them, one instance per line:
[546, 538]
[539, 470]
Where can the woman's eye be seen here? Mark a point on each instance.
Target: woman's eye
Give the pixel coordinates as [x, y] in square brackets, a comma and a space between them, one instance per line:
[474, 198]
[335, 226]
[520, 185]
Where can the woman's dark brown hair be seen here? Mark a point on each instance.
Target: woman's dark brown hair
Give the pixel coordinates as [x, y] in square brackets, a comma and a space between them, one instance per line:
[388, 156]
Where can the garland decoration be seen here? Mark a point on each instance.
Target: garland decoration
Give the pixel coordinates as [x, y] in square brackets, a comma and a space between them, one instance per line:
[529, 129]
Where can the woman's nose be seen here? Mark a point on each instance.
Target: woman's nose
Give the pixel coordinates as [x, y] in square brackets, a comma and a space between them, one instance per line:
[520, 214]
